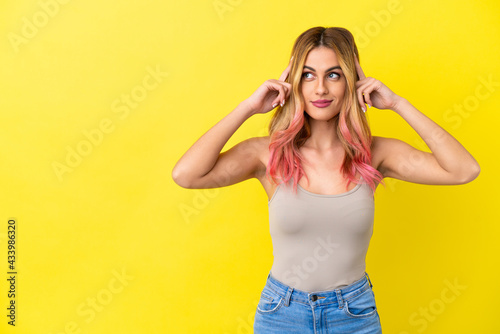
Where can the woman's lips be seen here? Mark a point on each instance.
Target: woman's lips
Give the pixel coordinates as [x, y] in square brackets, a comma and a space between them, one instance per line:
[321, 104]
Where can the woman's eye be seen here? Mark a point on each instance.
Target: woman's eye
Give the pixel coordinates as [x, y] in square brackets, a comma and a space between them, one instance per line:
[304, 75]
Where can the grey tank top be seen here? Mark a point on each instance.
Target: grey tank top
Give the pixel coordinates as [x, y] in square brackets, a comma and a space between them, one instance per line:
[320, 241]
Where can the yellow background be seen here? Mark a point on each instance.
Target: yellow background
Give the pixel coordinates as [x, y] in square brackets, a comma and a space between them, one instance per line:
[195, 261]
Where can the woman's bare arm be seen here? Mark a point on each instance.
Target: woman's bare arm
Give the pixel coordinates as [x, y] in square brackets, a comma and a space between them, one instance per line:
[448, 163]
[203, 166]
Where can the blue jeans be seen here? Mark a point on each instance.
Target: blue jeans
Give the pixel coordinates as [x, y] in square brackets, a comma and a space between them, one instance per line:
[350, 309]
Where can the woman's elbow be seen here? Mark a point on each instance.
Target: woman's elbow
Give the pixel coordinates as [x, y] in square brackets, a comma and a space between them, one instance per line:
[474, 172]
[180, 178]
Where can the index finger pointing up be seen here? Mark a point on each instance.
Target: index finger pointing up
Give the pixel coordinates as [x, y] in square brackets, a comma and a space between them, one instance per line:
[284, 75]
[358, 68]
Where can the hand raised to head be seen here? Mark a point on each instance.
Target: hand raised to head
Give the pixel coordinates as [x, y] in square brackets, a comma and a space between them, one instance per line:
[373, 92]
[271, 93]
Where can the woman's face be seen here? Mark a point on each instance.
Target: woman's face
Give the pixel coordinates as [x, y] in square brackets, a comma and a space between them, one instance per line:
[322, 79]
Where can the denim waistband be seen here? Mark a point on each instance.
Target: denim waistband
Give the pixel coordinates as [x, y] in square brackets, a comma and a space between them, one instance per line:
[335, 296]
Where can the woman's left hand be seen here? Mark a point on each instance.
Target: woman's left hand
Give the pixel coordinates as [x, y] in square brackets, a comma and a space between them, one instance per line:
[373, 92]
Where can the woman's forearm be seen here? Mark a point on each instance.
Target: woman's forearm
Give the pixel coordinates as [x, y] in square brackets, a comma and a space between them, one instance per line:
[201, 157]
[449, 153]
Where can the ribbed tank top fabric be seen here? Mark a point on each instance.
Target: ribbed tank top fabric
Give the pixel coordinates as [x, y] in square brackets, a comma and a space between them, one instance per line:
[320, 241]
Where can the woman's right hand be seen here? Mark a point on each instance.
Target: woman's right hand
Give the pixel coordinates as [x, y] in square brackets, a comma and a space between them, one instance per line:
[271, 93]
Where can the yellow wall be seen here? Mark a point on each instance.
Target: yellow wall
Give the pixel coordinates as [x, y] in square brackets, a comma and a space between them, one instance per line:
[108, 243]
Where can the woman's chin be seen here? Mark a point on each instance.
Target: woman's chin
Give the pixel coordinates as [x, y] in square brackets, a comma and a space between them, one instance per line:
[318, 116]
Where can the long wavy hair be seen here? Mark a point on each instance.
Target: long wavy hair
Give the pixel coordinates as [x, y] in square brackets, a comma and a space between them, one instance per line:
[289, 125]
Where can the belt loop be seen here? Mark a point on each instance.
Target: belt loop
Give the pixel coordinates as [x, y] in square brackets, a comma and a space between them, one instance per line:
[369, 281]
[339, 298]
[288, 296]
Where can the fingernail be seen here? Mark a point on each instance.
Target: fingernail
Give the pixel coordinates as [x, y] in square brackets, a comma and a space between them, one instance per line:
[274, 105]
[282, 103]
[364, 110]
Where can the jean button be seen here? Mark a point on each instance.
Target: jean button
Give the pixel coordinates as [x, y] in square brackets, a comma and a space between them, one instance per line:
[314, 297]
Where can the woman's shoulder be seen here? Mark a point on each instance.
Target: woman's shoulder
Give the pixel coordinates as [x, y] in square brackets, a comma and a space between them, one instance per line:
[261, 142]
[263, 145]
[382, 145]
[383, 148]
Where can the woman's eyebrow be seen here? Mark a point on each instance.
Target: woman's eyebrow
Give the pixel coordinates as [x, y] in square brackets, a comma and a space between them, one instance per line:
[331, 68]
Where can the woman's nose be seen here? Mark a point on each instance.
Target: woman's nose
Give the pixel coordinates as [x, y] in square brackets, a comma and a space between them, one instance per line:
[321, 87]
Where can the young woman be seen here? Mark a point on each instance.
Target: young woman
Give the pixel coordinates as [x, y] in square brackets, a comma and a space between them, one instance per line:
[321, 225]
